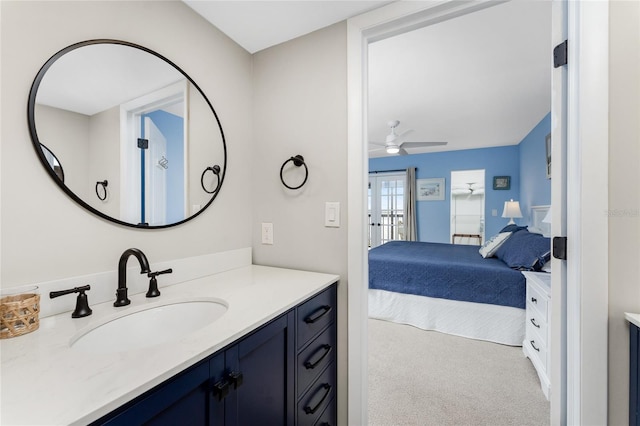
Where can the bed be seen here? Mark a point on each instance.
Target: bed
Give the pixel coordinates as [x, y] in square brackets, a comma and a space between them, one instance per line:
[453, 288]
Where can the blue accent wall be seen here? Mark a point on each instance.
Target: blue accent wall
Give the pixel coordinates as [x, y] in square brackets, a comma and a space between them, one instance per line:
[525, 163]
[434, 216]
[535, 188]
[172, 127]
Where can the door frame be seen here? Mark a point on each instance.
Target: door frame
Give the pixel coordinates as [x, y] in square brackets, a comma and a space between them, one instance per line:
[587, 144]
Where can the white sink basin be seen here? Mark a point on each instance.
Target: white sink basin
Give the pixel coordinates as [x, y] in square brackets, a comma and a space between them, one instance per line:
[149, 325]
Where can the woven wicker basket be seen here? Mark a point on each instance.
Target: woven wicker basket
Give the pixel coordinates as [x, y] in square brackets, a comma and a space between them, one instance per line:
[19, 315]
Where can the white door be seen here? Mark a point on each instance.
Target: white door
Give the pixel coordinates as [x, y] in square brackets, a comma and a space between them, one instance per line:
[386, 208]
[558, 340]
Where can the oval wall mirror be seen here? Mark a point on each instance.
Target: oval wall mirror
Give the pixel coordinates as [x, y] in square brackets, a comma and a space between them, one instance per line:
[116, 112]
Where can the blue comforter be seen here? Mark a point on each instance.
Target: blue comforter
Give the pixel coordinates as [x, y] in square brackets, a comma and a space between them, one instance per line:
[445, 271]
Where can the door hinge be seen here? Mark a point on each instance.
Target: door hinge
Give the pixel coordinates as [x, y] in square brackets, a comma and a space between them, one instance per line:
[560, 55]
[143, 143]
[560, 248]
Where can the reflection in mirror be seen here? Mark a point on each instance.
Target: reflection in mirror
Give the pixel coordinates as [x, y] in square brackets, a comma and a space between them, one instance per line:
[53, 162]
[115, 111]
[467, 207]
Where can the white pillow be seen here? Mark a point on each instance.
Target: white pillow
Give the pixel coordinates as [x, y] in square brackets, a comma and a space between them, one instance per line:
[489, 248]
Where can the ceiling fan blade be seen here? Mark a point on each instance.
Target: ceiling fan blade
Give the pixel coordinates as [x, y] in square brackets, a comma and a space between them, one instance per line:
[377, 149]
[405, 133]
[402, 152]
[421, 144]
[377, 143]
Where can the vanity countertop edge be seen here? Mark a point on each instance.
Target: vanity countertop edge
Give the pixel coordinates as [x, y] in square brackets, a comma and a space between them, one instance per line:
[45, 381]
[633, 318]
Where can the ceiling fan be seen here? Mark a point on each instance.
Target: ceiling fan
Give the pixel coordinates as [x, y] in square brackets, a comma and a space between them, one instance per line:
[394, 143]
[467, 189]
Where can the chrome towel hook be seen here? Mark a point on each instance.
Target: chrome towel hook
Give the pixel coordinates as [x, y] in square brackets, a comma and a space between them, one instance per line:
[215, 169]
[298, 161]
[104, 185]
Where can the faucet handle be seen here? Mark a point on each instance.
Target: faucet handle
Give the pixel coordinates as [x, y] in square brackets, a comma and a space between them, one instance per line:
[155, 274]
[153, 282]
[82, 302]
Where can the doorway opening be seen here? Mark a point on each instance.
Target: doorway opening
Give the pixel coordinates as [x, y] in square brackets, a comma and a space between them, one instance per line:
[467, 207]
[153, 152]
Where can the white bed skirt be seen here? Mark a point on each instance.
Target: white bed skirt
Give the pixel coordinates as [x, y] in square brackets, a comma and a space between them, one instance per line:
[493, 323]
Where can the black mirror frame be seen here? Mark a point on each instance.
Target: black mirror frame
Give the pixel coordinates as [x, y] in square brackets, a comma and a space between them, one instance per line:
[36, 141]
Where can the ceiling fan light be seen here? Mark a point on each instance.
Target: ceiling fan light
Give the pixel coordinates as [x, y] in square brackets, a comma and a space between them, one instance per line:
[393, 149]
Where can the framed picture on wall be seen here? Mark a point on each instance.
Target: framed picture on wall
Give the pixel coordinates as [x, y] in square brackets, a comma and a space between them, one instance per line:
[430, 189]
[501, 182]
[548, 146]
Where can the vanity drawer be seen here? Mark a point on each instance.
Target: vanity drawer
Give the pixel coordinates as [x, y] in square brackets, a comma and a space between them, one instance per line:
[314, 315]
[537, 300]
[315, 358]
[328, 417]
[319, 396]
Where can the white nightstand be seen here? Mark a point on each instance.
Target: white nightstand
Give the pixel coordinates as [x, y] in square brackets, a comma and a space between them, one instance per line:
[537, 334]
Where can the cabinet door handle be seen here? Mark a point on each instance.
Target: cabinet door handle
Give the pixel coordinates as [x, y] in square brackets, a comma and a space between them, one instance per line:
[533, 321]
[534, 300]
[311, 365]
[221, 389]
[533, 345]
[235, 378]
[327, 388]
[317, 314]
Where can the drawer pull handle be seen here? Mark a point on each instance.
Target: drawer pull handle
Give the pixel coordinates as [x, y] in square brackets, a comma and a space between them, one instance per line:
[534, 300]
[311, 365]
[317, 314]
[533, 345]
[533, 321]
[327, 388]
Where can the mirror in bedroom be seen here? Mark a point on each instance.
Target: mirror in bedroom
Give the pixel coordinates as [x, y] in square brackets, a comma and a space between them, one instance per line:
[467, 207]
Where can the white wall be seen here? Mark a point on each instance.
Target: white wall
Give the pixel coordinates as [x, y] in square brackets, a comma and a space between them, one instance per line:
[103, 160]
[300, 107]
[624, 196]
[45, 235]
[65, 133]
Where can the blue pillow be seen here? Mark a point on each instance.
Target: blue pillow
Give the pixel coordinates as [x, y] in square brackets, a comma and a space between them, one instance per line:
[512, 228]
[525, 251]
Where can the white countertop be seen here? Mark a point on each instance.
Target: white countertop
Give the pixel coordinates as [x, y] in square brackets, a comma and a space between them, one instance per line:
[45, 381]
[633, 318]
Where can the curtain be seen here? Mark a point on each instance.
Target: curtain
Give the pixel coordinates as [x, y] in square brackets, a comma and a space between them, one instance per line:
[410, 228]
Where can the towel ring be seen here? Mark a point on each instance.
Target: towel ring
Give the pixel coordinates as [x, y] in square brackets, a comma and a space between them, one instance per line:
[216, 171]
[104, 185]
[298, 161]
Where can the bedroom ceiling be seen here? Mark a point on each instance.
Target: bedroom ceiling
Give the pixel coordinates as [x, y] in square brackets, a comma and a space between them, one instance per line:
[479, 80]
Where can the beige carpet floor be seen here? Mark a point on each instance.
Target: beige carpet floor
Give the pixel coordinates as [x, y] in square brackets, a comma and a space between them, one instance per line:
[419, 377]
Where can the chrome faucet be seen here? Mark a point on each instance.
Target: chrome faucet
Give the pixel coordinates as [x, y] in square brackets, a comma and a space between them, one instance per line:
[121, 292]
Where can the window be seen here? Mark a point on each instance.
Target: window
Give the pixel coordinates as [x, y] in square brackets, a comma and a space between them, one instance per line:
[386, 208]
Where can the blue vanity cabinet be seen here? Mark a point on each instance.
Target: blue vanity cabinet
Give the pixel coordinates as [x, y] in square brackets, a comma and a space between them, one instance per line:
[259, 380]
[634, 375]
[316, 337]
[265, 361]
[183, 398]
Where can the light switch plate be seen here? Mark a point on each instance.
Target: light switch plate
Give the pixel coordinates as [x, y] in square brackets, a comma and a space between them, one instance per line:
[332, 214]
[267, 233]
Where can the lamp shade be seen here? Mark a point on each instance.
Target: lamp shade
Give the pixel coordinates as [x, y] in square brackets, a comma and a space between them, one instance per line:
[511, 210]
